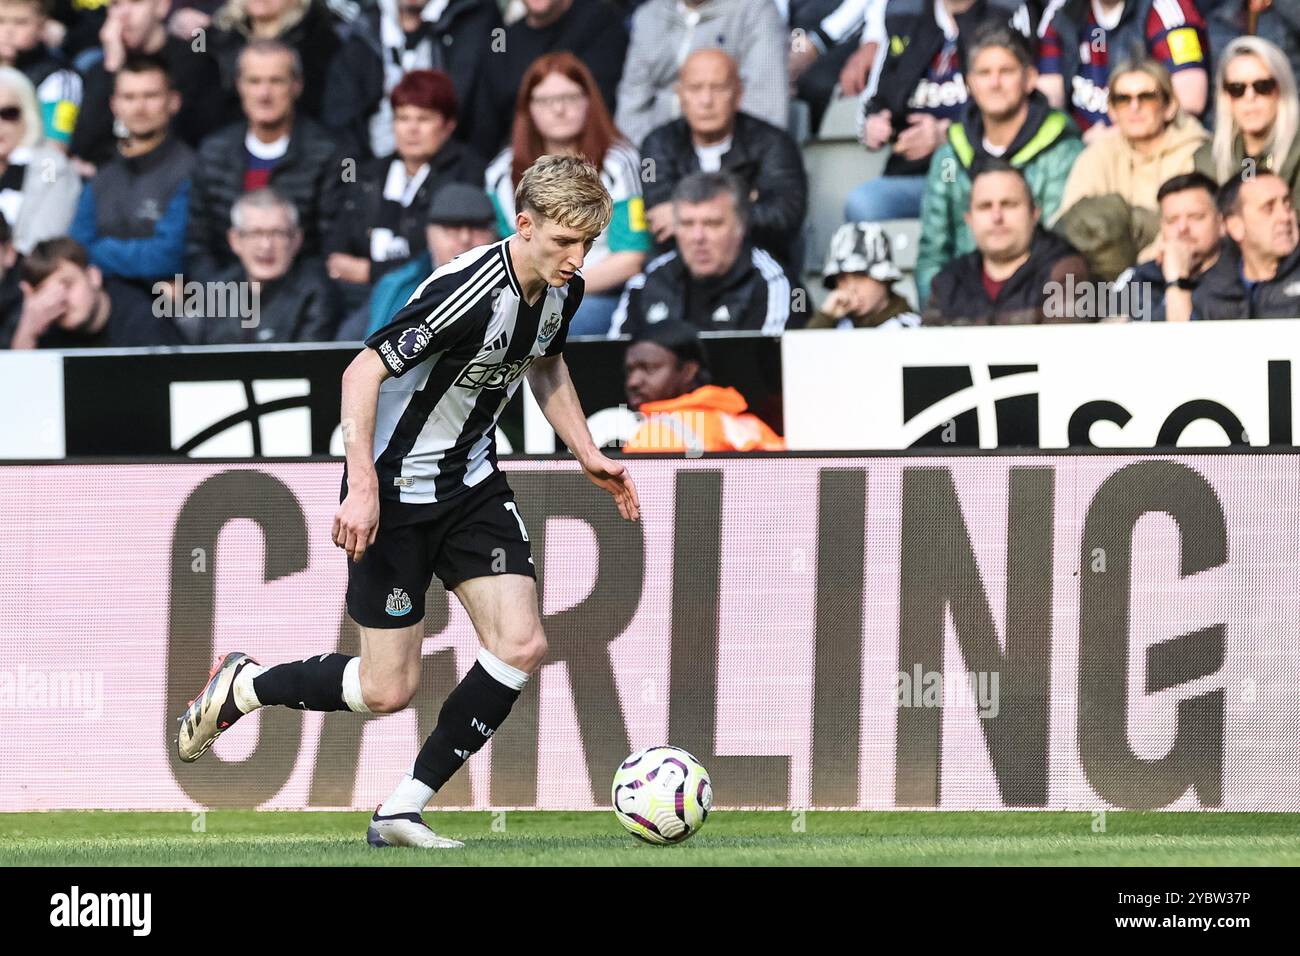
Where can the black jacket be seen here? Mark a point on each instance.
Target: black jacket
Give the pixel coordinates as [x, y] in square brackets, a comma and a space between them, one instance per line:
[764, 158]
[355, 85]
[1221, 294]
[132, 322]
[309, 176]
[754, 295]
[205, 106]
[958, 296]
[455, 162]
[299, 307]
[316, 39]
[910, 24]
[592, 30]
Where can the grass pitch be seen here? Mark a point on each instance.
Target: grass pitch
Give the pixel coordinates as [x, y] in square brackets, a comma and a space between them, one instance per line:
[524, 838]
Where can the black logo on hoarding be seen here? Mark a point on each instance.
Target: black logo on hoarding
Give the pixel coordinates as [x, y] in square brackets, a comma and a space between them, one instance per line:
[944, 403]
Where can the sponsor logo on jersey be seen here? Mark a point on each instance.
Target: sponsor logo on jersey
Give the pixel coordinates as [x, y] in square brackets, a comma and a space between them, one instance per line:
[389, 355]
[486, 375]
[399, 603]
[411, 342]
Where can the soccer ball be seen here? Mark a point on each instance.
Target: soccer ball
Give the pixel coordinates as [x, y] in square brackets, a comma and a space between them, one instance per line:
[662, 794]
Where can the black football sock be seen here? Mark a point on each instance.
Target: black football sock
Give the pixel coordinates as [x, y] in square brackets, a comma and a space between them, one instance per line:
[313, 684]
[474, 710]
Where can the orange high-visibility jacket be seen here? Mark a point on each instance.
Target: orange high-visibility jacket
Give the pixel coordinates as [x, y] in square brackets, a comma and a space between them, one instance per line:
[708, 419]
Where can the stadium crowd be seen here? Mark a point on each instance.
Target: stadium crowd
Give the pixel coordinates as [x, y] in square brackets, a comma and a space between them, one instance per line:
[327, 154]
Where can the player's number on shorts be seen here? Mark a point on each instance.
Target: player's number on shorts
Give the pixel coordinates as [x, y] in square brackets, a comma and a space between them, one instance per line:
[510, 506]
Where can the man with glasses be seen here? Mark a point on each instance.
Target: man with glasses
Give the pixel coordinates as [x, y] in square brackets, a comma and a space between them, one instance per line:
[289, 298]
[1082, 40]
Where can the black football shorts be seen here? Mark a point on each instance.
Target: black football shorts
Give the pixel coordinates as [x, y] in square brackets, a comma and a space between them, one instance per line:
[478, 533]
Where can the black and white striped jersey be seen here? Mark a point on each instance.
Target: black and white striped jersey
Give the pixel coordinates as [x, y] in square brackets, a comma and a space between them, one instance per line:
[456, 352]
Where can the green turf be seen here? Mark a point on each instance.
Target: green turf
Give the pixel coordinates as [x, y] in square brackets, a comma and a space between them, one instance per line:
[252, 838]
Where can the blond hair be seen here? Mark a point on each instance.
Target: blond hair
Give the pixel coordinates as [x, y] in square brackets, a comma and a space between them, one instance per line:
[566, 190]
[17, 83]
[1285, 125]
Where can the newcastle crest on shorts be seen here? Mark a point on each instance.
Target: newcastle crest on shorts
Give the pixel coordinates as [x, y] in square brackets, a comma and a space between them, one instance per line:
[399, 603]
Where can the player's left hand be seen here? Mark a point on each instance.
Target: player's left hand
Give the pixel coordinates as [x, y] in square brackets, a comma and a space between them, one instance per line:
[614, 478]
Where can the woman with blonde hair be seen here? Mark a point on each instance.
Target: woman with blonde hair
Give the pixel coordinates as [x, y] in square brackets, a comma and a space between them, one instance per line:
[38, 187]
[559, 110]
[1258, 114]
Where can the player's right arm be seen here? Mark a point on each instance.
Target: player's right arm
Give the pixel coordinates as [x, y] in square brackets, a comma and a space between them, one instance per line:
[357, 520]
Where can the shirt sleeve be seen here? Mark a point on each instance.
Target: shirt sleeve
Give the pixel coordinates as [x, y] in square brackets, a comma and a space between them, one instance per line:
[438, 316]
[1049, 52]
[60, 98]
[1176, 35]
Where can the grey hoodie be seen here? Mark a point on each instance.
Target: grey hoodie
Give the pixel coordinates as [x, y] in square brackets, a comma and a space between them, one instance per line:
[664, 32]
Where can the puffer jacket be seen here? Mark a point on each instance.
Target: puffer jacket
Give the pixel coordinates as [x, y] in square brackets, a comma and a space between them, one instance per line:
[309, 176]
[1044, 150]
[1220, 293]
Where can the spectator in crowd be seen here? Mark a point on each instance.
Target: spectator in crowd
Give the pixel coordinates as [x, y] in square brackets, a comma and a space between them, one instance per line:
[272, 146]
[1257, 276]
[664, 32]
[11, 293]
[1008, 118]
[1083, 39]
[716, 279]
[713, 134]
[73, 26]
[1191, 235]
[1108, 210]
[461, 218]
[58, 86]
[38, 187]
[667, 379]
[132, 216]
[382, 222]
[833, 42]
[921, 90]
[1257, 113]
[392, 37]
[304, 25]
[861, 273]
[291, 300]
[68, 304]
[135, 27]
[592, 30]
[559, 110]
[1009, 278]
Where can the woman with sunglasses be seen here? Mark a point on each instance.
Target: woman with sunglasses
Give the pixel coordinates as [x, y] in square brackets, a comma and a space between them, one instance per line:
[38, 187]
[1258, 113]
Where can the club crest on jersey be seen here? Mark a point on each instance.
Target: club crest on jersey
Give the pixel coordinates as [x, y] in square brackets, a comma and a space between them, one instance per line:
[550, 325]
[399, 603]
[411, 342]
